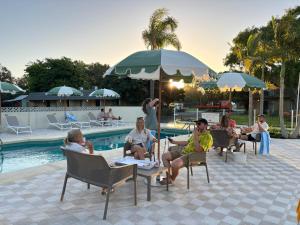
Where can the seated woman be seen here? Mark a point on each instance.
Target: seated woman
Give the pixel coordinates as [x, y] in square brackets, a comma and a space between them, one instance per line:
[139, 137]
[75, 142]
[225, 125]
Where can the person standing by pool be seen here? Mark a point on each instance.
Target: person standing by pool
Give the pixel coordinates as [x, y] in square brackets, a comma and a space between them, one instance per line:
[149, 108]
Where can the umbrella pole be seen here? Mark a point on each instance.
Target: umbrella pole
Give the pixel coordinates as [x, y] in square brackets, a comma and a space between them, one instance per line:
[159, 116]
[230, 97]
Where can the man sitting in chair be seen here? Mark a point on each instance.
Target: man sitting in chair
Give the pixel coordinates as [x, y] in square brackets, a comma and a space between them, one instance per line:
[138, 139]
[251, 132]
[177, 156]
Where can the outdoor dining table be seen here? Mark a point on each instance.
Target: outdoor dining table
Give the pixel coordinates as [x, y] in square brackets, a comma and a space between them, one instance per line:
[149, 174]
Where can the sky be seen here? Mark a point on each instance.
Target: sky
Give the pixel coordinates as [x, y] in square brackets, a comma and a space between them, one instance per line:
[108, 31]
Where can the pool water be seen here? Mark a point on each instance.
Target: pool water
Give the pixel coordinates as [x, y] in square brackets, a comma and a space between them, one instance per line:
[23, 155]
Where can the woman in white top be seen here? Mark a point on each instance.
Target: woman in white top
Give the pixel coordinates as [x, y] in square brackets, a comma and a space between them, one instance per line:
[139, 137]
[260, 126]
[75, 142]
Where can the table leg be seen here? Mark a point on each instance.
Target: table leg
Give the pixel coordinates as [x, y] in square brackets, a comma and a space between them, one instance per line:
[148, 188]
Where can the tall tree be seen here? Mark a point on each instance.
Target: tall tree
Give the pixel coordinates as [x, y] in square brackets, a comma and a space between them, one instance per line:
[286, 47]
[259, 51]
[160, 33]
[5, 75]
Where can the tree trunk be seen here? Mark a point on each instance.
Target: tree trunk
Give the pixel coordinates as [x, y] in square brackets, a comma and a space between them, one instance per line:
[281, 102]
[250, 109]
[295, 133]
[261, 102]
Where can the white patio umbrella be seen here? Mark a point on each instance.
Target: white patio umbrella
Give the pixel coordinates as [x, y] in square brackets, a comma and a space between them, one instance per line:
[160, 65]
[64, 91]
[105, 93]
[10, 88]
[240, 81]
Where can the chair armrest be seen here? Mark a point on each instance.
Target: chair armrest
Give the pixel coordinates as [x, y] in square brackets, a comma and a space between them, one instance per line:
[119, 173]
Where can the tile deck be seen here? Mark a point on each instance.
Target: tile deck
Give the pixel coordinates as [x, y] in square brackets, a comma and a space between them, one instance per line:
[263, 191]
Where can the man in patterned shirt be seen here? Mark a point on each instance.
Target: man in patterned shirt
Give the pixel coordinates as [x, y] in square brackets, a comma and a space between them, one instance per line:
[177, 156]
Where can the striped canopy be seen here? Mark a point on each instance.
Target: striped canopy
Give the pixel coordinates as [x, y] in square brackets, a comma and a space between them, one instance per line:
[64, 91]
[105, 93]
[238, 81]
[6, 87]
[146, 65]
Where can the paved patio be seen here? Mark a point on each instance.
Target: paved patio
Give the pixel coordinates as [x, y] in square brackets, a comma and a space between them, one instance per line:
[263, 191]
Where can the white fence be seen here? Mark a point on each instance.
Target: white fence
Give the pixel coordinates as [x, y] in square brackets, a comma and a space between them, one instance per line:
[36, 116]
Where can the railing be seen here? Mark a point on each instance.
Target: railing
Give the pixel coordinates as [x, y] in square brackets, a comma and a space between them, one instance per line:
[49, 109]
[1, 156]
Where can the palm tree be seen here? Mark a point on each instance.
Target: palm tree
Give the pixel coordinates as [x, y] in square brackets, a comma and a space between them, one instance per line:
[160, 33]
[286, 47]
[259, 51]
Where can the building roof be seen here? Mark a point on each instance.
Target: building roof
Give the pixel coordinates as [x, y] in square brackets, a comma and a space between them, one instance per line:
[40, 96]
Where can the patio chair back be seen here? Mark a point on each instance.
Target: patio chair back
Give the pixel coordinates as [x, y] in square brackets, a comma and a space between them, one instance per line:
[91, 116]
[220, 138]
[92, 169]
[12, 120]
[52, 118]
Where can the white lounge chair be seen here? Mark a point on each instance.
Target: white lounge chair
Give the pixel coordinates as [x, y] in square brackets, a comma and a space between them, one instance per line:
[93, 120]
[13, 124]
[55, 123]
[74, 122]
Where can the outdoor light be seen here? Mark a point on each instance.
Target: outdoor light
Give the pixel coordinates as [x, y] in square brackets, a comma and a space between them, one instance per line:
[176, 84]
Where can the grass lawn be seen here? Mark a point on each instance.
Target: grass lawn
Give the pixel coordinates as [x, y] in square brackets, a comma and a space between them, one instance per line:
[273, 121]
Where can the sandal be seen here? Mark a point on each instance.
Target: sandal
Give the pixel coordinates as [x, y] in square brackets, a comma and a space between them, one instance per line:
[165, 182]
[104, 191]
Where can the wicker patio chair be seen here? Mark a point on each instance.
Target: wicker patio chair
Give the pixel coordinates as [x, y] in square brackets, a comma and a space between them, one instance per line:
[196, 159]
[94, 170]
[221, 139]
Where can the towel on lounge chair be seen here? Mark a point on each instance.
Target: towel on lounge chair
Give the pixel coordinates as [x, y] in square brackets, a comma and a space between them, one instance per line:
[264, 148]
[70, 117]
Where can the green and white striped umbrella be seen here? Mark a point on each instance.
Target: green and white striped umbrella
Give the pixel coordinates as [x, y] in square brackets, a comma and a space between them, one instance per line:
[160, 65]
[147, 65]
[6, 87]
[64, 91]
[105, 93]
[10, 88]
[238, 81]
[209, 85]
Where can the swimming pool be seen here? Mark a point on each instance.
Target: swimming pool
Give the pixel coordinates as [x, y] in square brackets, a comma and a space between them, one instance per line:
[23, 155]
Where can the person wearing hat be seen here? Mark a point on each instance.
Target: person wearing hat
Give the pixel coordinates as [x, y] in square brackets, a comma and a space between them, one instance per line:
[251, 132]
[176, 157]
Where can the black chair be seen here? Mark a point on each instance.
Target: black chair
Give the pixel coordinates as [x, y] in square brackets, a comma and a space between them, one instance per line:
[93, 169]
[221, 139]
[196, 159]
[254, 142]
